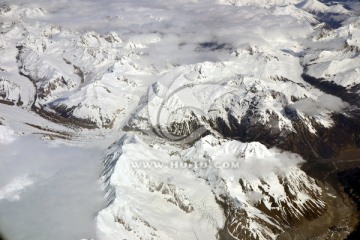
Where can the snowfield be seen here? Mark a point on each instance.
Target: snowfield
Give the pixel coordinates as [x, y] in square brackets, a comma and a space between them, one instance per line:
[209, 109]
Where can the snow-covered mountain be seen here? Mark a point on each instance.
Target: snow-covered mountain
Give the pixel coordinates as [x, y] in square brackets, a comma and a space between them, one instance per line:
[263, 3]
[338, 64]
[319, 7]
[313, 6]
[190, 186]
[216, 105]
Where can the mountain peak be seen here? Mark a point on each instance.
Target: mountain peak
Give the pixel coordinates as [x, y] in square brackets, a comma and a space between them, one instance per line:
[319, 7]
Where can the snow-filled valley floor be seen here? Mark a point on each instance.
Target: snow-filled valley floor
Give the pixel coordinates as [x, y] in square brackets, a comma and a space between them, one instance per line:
[187, 119]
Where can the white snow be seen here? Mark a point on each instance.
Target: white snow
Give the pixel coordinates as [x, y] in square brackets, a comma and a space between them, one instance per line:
[338, 62]
[171, 191]
[317, 6]
[143, 64]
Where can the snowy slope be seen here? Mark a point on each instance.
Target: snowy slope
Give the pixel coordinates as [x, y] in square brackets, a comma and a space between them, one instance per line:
[312, 6]
[338, 63]
[217, 97]
[101, 81]
[85, 81]
[188, 187]
[318, 7]
[262, 3]
[72, 82]
[171, 73]
[293, 11]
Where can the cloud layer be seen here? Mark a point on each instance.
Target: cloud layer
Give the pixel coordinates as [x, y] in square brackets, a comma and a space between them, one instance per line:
[48, 191]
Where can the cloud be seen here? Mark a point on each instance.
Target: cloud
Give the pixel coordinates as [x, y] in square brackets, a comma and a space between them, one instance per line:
[49, 190]
[6, 135]
[12, 190]
[182, 26]
[325, 102]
